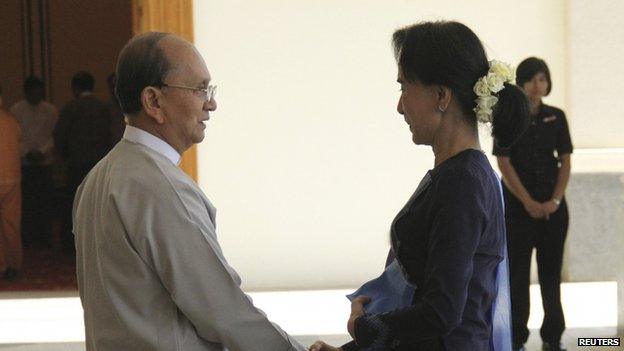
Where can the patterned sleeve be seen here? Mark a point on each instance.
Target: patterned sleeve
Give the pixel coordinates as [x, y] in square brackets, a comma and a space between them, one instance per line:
[371, 333]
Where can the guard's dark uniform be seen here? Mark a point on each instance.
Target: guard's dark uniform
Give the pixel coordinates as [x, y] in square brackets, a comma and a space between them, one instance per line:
[535, 157]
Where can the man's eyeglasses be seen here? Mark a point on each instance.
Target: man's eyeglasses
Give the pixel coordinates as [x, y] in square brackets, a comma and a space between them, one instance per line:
[206, 93]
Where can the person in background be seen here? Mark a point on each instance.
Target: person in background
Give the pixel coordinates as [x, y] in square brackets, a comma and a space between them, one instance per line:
[118, 123]
[82, 138]
[37, 119]
[535, 172]
[10, 195]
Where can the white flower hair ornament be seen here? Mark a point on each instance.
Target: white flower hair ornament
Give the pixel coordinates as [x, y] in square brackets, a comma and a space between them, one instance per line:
[488, 86]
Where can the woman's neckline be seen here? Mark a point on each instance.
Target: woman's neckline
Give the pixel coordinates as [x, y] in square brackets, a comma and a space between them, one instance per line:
[464, 151]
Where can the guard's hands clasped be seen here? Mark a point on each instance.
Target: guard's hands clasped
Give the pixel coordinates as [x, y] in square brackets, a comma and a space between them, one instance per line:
[550, 207]
[535, 209]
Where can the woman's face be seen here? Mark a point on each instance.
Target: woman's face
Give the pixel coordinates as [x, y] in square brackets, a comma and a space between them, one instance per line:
[537, 87]
[419, 106]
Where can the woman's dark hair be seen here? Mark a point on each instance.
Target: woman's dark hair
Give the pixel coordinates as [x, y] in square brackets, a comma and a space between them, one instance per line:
[450, 54]
[141, 64]
[83, 81]
[528, 68]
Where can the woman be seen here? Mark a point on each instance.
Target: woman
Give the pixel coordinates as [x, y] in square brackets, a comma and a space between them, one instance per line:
[536, 212]
[450, 236]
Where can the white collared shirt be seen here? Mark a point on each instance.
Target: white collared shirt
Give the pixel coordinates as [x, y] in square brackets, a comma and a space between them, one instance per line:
[37, 124]
[139, 136]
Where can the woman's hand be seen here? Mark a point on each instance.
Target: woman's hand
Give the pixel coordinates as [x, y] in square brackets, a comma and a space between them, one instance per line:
[321, 346]
[535, 209]
[357, 309]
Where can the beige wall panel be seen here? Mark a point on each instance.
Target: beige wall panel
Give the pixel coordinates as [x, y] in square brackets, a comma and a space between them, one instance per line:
[306, 158]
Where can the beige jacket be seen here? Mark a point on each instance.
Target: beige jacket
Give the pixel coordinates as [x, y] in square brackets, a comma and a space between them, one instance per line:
[150, 270]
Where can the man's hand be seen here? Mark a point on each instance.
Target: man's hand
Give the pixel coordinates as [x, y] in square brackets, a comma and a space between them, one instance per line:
[321, 346]
[357, 309]
[535, 209]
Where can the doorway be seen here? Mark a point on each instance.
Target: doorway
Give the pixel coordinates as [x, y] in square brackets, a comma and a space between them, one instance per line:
[52, 40]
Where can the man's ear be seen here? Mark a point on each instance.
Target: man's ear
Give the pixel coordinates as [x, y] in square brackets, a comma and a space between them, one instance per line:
[444, 97]
[150, 99]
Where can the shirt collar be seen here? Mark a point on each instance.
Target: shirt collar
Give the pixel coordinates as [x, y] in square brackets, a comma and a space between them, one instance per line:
[144, 138]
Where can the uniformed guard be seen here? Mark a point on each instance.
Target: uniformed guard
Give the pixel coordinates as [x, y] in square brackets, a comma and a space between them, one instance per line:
[535, 172]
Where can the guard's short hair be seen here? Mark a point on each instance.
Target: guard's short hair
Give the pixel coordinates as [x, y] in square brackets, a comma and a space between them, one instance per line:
[528, 68]
[141, 64]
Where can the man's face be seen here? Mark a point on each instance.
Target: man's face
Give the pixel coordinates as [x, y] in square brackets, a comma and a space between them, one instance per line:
[185, 111]
[34, 95]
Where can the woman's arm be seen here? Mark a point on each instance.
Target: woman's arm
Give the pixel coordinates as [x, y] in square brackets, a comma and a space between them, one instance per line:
[456, 219]
[513, 183]
[560, 186]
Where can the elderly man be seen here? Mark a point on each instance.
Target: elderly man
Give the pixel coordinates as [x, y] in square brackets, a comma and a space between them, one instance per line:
[151, 273]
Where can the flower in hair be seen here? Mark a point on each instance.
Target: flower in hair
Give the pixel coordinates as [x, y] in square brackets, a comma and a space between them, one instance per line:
[503, 69]
[485, 106]
[481, 88]
[487, 87]
[495, 82]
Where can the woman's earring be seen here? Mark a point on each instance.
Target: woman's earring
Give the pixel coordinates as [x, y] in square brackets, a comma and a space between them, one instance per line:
[440, 109]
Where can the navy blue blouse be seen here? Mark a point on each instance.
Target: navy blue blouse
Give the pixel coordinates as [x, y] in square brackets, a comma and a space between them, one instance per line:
[448, 239]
